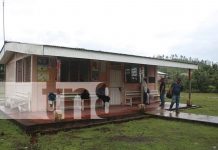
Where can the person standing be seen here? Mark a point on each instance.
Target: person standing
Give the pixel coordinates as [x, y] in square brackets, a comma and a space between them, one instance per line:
[162, 92]
[145, 91]
[176, 90]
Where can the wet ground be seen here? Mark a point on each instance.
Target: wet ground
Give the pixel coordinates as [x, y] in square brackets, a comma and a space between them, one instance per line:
[119, 113]
[165, 113]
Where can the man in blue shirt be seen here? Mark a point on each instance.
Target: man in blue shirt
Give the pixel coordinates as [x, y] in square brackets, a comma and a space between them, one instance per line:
[176, 89]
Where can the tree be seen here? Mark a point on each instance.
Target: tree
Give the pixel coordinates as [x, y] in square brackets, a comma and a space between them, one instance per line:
[205, 79]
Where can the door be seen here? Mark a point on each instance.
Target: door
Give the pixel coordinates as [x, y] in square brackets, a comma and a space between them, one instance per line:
[115, 87]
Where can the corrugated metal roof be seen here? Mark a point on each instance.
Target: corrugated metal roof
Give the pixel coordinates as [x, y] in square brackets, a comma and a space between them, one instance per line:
[52, 50]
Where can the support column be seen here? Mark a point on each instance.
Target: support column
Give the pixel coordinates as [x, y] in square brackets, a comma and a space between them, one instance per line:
[142, 75]
[189, 103]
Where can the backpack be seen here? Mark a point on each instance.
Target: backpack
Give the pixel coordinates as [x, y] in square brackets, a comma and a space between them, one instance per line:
[85, 95]
[51, 96]
[169, 94]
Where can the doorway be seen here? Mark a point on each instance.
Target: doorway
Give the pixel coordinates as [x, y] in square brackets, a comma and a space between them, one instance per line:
[115, 86]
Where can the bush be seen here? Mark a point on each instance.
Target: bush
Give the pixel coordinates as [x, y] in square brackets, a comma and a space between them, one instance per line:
[211, 89]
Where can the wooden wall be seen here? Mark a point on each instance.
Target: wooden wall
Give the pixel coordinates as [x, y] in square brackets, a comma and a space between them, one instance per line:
[152, 72]
[40, 90]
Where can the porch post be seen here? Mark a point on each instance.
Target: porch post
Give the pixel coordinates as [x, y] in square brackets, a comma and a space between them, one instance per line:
[189, 103]
[142, 75]
[58, 76]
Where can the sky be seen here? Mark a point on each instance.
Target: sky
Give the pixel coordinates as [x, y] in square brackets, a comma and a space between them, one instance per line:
[139, 27]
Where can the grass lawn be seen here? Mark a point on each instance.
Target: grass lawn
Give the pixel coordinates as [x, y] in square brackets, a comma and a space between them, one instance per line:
[11, 136]
[148, 133]
[208, 103]
[141, 134]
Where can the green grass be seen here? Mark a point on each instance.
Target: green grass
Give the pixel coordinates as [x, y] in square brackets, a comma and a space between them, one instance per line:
[148, 133]
[208, 103]
[140, 134]
[11, 136]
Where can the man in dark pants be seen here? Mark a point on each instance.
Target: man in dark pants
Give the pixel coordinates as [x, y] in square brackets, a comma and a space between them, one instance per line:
[176, 89]
[162, 92]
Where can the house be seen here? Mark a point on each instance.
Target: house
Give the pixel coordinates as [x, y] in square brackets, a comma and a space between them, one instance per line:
[41, 69]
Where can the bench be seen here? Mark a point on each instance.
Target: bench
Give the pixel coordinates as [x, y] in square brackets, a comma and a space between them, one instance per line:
[19, 100]
[77, 101]
[130, 95]
[2, 100]
[154, 94]
[70, 97]
[74, 96]
[99, 103]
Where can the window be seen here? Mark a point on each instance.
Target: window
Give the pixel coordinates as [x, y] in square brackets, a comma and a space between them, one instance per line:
[84, 71]
[131, 73]
[95, 70]
[2, 72]
[27, 69]
[74, 70]
[151, 80]
[42, 69]
[23, 70]
[145, 71]
[19, 74]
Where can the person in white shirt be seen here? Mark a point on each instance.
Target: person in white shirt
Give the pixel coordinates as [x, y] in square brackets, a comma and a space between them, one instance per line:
[145, 90]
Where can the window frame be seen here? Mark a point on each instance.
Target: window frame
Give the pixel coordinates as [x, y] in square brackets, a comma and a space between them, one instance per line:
[130, 77]
[23, 69]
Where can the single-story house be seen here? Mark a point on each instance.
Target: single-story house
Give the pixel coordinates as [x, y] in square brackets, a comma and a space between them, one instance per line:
[39, 69]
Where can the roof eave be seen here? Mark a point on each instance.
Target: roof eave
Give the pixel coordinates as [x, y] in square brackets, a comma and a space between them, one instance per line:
[49, 50]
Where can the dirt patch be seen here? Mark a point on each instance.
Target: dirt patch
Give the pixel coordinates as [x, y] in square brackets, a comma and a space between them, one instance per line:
[132, 139]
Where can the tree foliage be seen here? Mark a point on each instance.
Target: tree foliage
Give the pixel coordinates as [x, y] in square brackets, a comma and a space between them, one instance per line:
[205, 79]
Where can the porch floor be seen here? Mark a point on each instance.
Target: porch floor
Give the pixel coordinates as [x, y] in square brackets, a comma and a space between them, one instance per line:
[36, 122]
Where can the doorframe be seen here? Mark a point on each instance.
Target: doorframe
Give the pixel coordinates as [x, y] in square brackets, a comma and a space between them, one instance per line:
[109, 68]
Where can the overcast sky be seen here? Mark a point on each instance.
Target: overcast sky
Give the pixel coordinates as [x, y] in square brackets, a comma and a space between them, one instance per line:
[140, 27]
